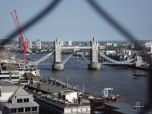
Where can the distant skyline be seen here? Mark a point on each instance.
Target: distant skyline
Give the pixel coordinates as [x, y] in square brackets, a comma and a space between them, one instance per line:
[76, 20]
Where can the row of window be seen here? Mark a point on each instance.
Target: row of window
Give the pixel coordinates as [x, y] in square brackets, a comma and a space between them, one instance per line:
[2, 78]
[27, 109]
[21, 100]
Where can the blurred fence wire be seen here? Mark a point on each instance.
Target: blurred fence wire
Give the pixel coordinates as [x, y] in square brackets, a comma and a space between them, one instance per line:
[53, 4]
[103, 14]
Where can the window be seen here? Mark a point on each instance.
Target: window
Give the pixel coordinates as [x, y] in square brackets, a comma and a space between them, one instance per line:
[34, 108]
[13, 110]
[26, 100]
[20, 109]
[27, 109]
[19, 100]
[15, 77]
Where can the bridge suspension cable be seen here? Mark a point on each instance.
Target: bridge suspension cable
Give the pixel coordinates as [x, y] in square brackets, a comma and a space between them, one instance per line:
[67, 58]
[114, 61]
[86, 59]
[45, 57]
[108, 58]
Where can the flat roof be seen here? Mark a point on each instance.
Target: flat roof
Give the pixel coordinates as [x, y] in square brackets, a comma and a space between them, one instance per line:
[52, 88]
[5, 83]
[8, 89]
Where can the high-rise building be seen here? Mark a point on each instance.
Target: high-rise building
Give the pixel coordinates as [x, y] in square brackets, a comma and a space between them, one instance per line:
[70, 43]
[39, 45]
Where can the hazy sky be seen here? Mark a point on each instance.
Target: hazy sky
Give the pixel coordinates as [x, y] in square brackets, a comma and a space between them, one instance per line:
[76, 20]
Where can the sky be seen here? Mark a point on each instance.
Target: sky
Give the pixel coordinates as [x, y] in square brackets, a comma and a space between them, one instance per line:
[75, 20]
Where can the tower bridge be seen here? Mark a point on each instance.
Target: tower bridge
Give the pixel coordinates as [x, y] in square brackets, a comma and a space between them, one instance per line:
[59, 65]
[93, 61]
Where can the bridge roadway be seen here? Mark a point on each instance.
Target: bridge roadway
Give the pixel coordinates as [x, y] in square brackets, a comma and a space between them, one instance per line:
[117, 64]
[77, 47]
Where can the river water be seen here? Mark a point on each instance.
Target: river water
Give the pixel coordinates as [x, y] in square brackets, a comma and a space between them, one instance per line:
[119, 78]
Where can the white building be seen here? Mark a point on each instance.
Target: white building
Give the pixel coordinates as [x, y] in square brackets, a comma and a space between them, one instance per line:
[30, 44]
[108, 44]
[15, 100]
[149, 45]
[69, 43]
[115, 44]
[139, 61]
[70, 95]
[110, 52]
[39, 45]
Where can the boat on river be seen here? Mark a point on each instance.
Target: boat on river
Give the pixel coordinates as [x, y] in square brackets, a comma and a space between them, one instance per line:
[139, 74]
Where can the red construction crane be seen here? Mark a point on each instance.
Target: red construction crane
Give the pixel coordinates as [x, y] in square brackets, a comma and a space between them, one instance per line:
[25, 42]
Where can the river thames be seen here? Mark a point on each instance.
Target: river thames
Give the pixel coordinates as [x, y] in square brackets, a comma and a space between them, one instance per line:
[120, 78]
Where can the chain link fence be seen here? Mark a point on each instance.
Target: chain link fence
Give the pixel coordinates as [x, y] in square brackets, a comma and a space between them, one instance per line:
[103, 14]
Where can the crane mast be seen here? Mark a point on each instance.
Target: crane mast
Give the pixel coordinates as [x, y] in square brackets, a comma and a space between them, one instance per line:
[25, 42]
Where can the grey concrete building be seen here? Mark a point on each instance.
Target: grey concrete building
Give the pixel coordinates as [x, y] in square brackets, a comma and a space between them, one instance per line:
[56, 97]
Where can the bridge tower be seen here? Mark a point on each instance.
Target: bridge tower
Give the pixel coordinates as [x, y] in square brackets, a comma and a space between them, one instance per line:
[94, 65]
[57, 65]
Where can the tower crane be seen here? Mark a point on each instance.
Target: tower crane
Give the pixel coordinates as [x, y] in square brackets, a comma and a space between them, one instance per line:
[25, 42]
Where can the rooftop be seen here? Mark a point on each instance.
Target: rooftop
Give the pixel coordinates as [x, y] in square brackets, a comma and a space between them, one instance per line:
[19, 92]
[52, 87]
[7, 87]
[4, 83]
